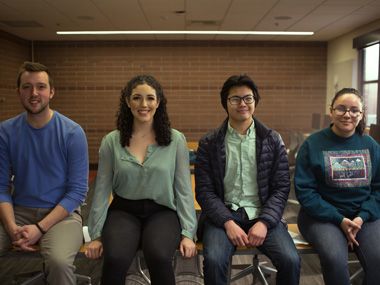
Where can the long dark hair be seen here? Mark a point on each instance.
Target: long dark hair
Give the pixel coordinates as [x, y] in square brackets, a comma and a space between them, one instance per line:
[362, 124]
[161, 123]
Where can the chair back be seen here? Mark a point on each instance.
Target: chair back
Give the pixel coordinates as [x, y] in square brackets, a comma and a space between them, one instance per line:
[326, 121]
[315, 121]
[374, 132]
[296, 140]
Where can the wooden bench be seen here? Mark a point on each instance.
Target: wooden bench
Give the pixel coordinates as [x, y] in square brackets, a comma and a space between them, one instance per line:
[192, 145]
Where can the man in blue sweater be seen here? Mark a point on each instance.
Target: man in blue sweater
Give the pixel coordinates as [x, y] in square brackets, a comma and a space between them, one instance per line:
[43, 178]
[242, 185]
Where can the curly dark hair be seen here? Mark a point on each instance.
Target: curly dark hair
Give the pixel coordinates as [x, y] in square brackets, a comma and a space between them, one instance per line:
[362, 124]
[161, 123]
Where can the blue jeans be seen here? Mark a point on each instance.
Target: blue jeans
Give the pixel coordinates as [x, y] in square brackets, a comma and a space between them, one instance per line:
[331, 244]
[278, 246]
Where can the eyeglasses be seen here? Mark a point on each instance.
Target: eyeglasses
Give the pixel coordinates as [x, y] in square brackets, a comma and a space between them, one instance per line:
[341, 110]
[236, 100]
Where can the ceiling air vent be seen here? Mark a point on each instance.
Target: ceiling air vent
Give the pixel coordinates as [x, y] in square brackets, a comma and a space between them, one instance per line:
[203, 22]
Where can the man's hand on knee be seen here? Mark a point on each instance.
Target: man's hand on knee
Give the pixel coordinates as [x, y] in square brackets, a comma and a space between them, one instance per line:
[236, 234]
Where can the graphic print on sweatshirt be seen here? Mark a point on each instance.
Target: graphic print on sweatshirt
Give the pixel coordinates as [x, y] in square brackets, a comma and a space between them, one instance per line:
[347, 168]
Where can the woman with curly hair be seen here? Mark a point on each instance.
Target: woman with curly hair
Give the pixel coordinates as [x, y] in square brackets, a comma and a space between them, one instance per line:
[145, 164]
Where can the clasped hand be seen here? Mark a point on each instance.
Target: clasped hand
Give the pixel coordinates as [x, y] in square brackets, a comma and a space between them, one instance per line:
[25, 237]
[350, 229]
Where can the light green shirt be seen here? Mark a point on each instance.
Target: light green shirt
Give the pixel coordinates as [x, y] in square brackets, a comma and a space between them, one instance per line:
[240, 181]
[163, 177]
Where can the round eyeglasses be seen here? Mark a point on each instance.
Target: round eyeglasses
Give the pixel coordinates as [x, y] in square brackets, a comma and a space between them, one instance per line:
[341, 110]
[236, 100]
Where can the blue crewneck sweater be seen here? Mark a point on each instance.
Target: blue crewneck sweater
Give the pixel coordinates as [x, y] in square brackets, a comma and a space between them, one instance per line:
[49, 164]
[339, 177]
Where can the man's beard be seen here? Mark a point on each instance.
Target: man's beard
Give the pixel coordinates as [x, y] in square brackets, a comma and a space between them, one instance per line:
[35, 112]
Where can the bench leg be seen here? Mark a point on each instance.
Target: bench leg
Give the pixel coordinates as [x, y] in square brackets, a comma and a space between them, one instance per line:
[140, 270]
[256, 271]
[83, 278]
[356, 274]
[199, 267]
[189, 276]
[33, 278]
[39, 277]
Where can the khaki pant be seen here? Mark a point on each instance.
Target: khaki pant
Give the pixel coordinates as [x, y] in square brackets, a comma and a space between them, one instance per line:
[58, 246]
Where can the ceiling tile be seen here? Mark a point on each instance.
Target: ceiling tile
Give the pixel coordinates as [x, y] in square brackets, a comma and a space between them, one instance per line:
[246, 14]
[328, 18]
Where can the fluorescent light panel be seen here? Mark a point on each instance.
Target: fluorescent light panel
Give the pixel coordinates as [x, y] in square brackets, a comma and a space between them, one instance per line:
[272, 33]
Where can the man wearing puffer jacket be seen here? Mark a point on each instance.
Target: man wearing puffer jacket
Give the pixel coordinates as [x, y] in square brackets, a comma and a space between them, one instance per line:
[242, 185]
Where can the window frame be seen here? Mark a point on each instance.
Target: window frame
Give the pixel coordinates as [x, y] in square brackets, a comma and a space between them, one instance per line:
[363, 82]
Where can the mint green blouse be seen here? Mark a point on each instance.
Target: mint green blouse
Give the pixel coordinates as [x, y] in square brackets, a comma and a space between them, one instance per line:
[163, 177]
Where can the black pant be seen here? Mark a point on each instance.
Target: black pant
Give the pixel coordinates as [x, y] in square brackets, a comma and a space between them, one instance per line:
[134, 224]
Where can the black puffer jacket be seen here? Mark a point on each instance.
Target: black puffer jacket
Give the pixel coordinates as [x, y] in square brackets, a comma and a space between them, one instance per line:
[272, 176]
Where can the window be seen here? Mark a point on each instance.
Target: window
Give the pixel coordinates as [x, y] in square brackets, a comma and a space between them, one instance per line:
[368, 46]
[370, 82]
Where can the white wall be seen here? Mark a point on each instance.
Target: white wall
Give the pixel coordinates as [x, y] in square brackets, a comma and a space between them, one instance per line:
[342, 61]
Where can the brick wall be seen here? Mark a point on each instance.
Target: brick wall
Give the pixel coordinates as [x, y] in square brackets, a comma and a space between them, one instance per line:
[291, 77]
[13, 51]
